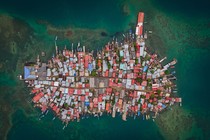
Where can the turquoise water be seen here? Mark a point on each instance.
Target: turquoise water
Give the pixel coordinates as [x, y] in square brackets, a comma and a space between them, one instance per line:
[180, 30]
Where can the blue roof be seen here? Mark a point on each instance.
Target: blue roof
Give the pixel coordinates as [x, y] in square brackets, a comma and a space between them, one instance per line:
[145, 68]
[139, 113]
[90, 67]
[163, 106]
[28, 73]
[87, 103]
[149, 105]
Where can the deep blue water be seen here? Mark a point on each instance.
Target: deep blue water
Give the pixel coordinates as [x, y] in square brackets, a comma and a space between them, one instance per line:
[193, 8]
[92, 14]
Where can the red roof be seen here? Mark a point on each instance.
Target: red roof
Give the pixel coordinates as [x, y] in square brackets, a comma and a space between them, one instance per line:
[37, 97]
[136, 108]
[71, 55]
[110, 83]
[107, 48]
[144, 83]
[144, 76]
[133, 108]
[147, 96]
[70, 91]
[100, 98]
[109, 90]
[79, 91]
[136, 70]
[113, 74]
[87, 93]
[120, 101]
[135, 94]
[57, 110]
[77, 114]
[95, 105]
[54, 108]
[95, 100]
[86, 61]
[87, 85]
[178, 99]
[117, 93]
[44, 108]
[141, 17]
[51, 105]
[35, 90]
[66, 53]
[140, 30]
[107, 106]
[154, 88]
[69, 113]
[120, 84]
[144, 105]
[82, 98]
[106, 73]
[133, 82]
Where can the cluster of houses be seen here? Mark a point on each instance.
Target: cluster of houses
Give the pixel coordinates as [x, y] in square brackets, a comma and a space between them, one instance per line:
[121, 78]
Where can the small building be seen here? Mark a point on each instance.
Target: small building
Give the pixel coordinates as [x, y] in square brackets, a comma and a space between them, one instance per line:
[29, 73]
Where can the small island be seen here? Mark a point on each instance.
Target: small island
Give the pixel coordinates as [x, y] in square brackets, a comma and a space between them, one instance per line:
[123, 78]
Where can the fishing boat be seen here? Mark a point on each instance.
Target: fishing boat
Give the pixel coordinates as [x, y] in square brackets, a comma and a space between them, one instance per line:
[64, 127]
[41, 117]
[173, 72]
[46, 112]
[134, 117]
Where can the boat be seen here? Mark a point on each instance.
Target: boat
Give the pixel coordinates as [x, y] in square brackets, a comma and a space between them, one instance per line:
[64, 127]
[173, 62]
[46, 112]
[163, 59]
[41, 117]
[173, 72]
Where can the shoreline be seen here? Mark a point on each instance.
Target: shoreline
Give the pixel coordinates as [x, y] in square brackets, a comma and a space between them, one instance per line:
[65, 65]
